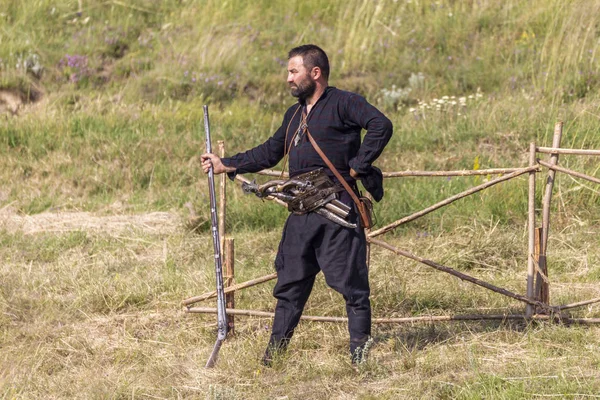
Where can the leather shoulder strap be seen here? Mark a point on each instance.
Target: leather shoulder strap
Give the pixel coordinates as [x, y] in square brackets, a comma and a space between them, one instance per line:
[360, 206]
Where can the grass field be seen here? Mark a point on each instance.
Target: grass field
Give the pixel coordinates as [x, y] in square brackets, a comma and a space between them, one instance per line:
[100, 134]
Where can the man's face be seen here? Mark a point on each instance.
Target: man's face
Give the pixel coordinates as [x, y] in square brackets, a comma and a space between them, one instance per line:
[299, 80]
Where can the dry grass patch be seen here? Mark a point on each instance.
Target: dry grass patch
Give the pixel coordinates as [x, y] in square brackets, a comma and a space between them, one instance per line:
[96, 314]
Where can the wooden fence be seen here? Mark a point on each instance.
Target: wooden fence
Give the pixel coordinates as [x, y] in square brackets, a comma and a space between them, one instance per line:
[536, 298]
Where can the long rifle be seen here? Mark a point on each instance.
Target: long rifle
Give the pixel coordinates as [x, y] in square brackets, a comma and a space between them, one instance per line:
[221, 313]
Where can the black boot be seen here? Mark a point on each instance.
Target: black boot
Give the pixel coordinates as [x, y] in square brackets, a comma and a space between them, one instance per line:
[274, 349]
[359, 350]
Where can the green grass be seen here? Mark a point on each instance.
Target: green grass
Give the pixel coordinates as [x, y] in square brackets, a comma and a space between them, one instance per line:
[111, 124]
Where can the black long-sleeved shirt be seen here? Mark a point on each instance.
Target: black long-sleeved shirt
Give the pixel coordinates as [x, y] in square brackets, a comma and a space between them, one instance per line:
[335, 122]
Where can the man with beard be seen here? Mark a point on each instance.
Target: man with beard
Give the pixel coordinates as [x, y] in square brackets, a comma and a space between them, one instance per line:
[311, 243]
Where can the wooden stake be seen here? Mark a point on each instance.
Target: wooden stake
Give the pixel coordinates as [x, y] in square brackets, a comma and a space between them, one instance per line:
[230, 281]
[452, 199]
[541, 292]
[531, 229]
[549, 186]
[543, 266]
[536, 259]
[230, 289]
[458, 274]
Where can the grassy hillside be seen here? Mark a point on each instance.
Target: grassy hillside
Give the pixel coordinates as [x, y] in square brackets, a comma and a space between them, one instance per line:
[117, 88]
[101, 112]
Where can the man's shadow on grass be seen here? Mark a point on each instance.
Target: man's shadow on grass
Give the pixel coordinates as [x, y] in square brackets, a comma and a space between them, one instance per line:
[418, 336]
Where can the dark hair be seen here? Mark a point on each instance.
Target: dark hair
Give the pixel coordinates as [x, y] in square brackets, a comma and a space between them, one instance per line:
[312, 56]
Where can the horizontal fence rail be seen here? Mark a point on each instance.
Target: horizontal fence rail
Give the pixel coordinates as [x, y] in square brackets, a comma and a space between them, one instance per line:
[230, 289]
[400, 320]
[557, 150]
[452, 199]
[399, 174]
[463, 172]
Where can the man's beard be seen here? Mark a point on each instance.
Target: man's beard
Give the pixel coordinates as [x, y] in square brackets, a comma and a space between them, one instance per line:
[304, 89]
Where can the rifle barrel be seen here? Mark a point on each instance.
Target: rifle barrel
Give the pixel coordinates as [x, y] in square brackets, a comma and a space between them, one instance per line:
[221, 313]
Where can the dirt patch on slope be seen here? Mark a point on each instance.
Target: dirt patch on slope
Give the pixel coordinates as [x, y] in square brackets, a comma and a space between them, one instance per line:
[154, 222]
[12, 100]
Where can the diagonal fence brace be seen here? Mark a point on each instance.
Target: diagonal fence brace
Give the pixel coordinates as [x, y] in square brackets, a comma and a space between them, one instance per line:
[462, 276]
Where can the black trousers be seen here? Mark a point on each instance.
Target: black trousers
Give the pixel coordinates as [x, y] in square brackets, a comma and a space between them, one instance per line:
[311, 243]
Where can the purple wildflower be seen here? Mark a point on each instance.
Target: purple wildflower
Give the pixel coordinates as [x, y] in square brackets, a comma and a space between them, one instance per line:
[74, 67]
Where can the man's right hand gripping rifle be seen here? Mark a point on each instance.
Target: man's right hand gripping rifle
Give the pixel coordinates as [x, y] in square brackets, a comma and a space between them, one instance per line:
[218, 167]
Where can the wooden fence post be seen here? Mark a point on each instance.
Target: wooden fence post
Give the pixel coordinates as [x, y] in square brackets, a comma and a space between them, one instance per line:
[542, 275]
[230, 281]
[531, 231]
[541, 279]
